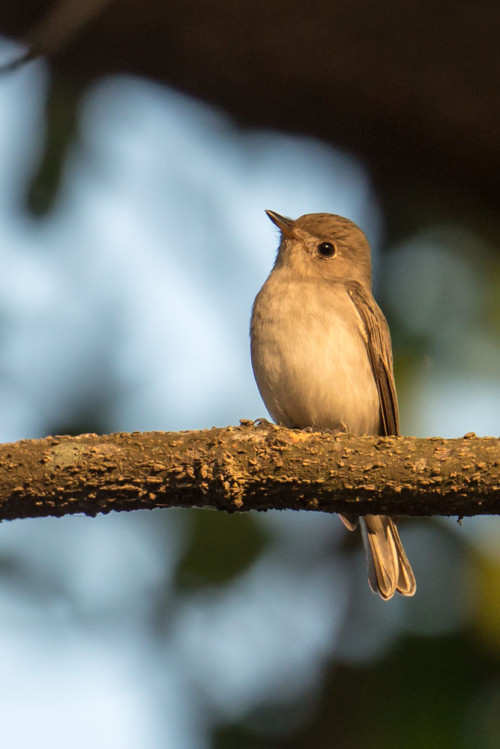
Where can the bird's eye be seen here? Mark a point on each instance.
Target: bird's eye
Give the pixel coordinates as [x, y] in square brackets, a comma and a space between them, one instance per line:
[327, 249]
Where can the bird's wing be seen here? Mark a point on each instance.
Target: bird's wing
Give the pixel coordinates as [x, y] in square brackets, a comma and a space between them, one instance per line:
[378, 344]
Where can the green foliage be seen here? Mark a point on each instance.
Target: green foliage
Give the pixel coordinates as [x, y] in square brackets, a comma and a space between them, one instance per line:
[61, 112]
[437, 693]
[221, 547]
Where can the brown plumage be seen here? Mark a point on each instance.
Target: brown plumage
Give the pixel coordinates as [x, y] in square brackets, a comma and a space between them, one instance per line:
[322, 357]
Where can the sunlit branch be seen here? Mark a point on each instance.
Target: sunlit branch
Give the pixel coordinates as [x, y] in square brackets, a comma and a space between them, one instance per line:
[250, 467]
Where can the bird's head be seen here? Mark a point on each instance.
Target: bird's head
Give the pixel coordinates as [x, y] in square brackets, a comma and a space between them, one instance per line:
[323, 246]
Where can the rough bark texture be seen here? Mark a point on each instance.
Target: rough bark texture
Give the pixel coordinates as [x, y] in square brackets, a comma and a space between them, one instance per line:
[254, 466]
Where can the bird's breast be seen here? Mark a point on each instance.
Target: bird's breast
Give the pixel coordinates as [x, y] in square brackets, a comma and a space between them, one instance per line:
[310, 357]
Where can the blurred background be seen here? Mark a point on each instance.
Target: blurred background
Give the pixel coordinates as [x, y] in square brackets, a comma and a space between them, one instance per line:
[138, 153]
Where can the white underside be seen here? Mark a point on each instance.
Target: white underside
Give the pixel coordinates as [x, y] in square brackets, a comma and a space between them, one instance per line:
[310, 358]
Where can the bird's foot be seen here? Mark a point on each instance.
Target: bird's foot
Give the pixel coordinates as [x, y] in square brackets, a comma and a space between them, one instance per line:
[261, 422]
[341, 429]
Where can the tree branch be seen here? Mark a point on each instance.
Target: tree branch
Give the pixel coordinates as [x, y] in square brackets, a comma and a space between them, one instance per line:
[251, 467]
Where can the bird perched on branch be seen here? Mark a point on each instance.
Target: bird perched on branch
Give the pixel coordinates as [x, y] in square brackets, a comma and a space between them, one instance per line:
[322, 358]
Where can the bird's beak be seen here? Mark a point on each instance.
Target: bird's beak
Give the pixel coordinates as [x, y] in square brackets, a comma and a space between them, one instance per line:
[284, 224]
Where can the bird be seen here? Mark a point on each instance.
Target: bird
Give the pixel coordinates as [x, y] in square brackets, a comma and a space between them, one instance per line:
[322, 358]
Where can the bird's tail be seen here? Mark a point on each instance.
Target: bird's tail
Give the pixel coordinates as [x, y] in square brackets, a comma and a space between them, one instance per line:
[388, 567]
